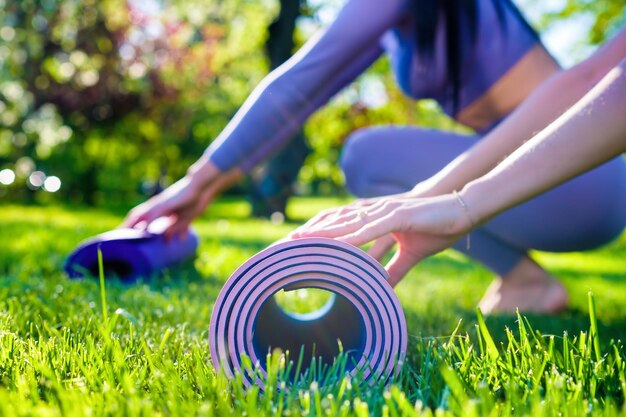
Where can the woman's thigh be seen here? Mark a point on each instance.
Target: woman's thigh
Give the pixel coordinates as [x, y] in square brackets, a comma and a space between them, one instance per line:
[386, 160]
[583, 213]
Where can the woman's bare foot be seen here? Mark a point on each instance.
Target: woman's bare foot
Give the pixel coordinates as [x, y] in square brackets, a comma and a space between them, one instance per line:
[528, 288]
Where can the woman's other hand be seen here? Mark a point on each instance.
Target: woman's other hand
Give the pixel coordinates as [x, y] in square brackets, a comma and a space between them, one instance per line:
[184, 200]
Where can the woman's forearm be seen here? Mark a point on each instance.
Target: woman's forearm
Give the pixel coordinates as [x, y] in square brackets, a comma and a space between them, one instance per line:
[588, 134]
[543, 106]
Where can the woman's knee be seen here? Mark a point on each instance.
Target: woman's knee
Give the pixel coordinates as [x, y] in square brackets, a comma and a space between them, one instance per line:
[391, 159]
[358, 160]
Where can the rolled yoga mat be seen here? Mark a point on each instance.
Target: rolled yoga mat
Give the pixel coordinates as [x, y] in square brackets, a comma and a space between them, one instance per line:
[130, 253]
[364, 312]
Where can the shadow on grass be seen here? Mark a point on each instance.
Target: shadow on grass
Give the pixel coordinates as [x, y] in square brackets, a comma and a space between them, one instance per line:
[178, 276]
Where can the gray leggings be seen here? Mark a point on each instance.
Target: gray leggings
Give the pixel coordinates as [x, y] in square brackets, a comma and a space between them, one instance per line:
[582, 214]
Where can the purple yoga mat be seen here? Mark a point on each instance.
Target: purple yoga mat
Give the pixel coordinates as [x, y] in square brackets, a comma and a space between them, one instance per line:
[130, 253]
[364, 312]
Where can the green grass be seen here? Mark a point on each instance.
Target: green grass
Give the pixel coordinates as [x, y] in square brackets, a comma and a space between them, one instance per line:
[63, 352]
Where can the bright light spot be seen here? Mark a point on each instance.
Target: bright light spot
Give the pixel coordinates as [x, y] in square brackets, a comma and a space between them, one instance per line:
[48, 111]
[89, 78]
[47, 136]
[64, 133]
[8, 118]
[373, 92]
[127, 52]
[52, 184]
[19, 56]
[137, 70]
[7, 33]
[36, 179]
[78, 58]
[7, 176]
[29, 126]
[12, 91]
[154, 30]
[148, 7]
[136, 37]
[24, 166]
[67, 70]
[277, 218]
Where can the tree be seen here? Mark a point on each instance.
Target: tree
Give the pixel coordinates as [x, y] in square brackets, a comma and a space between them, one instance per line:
[273, 185]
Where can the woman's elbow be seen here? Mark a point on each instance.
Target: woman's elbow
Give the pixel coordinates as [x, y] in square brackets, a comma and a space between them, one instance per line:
[590, 72]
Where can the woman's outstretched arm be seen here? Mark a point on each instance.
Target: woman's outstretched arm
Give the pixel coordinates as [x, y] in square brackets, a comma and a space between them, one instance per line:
[588, 134]
[543, 106]
[276, 109]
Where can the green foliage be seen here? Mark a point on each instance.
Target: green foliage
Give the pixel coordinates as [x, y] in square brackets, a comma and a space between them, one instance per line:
[607, 15]
[106, 95]
[61, 354]
[110, 98]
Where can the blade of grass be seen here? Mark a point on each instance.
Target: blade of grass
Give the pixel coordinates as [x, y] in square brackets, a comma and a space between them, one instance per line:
[103, 296]
[594, 326]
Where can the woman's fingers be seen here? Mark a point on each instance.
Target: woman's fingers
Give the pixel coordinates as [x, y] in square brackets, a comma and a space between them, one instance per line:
[345, 224]
[329, 217]
[371, 231]
[332, 230]
[150, 210]
[381, 246]
[175, 200]
[132, 219]
[400, 265]
[348, 219]
[187, 214]
[143, 214]
[178, 227]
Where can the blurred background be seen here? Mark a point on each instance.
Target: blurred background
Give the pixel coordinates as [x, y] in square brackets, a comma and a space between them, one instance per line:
[105, 102]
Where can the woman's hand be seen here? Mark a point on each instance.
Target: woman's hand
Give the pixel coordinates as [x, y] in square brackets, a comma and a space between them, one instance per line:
[420, 226]
[384, 243]
[184, 200]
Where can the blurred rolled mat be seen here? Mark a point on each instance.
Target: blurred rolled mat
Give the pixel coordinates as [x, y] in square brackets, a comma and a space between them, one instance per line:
[364, 313]
[130, 253]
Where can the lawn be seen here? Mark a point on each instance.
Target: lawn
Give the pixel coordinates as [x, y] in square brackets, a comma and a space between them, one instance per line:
[146, 353]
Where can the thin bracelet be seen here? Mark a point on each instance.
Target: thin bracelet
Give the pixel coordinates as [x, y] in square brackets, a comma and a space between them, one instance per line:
[465, 208]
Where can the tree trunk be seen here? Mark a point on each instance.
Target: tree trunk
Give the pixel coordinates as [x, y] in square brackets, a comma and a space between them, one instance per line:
[272, 188]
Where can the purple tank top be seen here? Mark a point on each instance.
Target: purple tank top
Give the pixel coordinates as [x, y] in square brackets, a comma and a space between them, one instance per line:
[363, 30]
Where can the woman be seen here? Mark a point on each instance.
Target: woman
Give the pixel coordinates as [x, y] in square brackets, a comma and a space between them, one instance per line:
[478, 59]
[588, 134]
